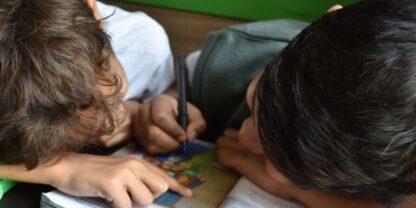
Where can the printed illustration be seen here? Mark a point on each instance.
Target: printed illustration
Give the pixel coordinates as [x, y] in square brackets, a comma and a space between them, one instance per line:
[190, 169]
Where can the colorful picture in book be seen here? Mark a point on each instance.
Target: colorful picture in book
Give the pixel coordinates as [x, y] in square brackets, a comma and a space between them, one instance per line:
[190, 169]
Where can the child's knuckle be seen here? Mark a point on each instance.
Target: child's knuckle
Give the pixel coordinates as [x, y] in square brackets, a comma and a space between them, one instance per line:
[152, 149]
[163, 187]
[221, 141]
[133, 157]
[159, 117]
[145, 201]
[153, 131]
[202, 124]
[113, 183]
[133, 163]
[130, 163]
[121, 171]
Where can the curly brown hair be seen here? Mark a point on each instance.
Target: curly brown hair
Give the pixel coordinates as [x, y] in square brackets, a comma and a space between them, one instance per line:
[54, 56]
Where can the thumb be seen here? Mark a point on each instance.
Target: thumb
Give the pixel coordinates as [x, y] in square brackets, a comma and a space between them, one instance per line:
[197, 124]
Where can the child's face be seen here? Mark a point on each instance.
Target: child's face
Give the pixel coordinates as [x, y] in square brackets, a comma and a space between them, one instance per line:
[249, 135]
[90, 118]
[117, 69]
[114, 63]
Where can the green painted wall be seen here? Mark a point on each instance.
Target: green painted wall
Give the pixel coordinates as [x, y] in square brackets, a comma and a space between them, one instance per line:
[307, 10]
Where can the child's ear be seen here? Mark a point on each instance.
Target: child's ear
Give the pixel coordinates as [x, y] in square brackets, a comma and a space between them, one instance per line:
[93, 5]
[334, 8]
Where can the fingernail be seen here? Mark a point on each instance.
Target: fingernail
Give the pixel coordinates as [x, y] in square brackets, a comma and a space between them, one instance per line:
[104, 138]
[189, 192]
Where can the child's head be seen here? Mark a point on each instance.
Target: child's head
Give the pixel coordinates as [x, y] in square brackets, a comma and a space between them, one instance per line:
[57, 88]
[336, 111]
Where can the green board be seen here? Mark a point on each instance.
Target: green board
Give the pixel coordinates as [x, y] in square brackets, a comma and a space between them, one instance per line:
[306, 10]
[5, 185]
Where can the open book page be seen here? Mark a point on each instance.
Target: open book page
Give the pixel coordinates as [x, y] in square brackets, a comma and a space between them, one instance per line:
[197, 169]
[246, 194]
[60, 200]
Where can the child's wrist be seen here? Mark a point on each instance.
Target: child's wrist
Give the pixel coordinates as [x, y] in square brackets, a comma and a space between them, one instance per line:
[58, 170]
[295, 193]
[50, 174]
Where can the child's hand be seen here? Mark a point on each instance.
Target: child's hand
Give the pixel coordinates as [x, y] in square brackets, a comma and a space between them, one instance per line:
[233, 154]
[256, 168]
[124, 130]
[158, 130]
[122, 180]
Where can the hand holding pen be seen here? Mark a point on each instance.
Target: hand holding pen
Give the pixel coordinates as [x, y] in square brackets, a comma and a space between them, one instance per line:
[159, 130]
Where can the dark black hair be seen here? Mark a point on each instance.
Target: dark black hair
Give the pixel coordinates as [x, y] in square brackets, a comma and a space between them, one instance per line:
[337, 108]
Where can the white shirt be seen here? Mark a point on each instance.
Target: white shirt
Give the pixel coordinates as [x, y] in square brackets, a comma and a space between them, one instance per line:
[142, 47]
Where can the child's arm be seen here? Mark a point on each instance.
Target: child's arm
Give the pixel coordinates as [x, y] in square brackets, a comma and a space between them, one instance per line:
[40, 175]
[318, 199]
[253, 166]
[122, 180]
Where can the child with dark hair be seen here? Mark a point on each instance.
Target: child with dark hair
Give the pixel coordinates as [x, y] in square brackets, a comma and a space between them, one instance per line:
[63, 87]
[335, 111]
[333, 115]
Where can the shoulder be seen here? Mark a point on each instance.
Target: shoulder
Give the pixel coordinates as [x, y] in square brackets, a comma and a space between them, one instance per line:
[142, 47]
[134, 31]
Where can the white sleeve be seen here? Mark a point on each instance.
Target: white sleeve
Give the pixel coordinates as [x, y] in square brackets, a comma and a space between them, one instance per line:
[142, 47]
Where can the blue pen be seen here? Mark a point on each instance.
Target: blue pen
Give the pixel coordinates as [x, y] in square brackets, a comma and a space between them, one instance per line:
[182, 109]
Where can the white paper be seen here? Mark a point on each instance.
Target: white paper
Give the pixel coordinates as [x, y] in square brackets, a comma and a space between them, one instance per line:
[61, 200]
[245, 194]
